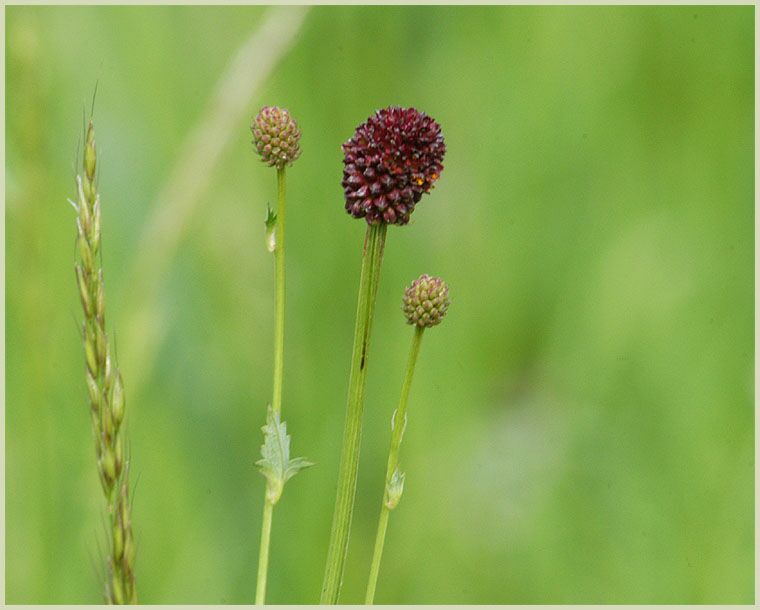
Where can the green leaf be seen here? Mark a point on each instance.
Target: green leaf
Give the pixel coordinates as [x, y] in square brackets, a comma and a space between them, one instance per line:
[275, 463]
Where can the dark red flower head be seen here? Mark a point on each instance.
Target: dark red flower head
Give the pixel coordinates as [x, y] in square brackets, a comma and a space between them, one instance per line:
[391, 160]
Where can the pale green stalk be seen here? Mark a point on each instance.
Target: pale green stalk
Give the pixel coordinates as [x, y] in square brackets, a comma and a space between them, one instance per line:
[104, 384]
[374, 570]
[266, 533]
[279, 350]
[279, 293]
[349, 462]
[394, 479]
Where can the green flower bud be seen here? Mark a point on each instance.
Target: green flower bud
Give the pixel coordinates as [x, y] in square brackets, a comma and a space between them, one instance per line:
[276, 136]
[426, 301]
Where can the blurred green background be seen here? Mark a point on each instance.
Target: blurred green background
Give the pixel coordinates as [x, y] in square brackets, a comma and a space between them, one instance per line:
[580, 427]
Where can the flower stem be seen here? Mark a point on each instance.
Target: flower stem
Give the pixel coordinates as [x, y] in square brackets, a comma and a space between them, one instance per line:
[279, 293]
[389, 503]
[266, 530]
[279, 350]
[374, 245]
[377, 554]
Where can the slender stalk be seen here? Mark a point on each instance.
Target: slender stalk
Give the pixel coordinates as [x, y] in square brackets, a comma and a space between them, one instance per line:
[374, 245]
[392, 491]
[279, 350]
[266, 531]
[279, 293]
[377, 554]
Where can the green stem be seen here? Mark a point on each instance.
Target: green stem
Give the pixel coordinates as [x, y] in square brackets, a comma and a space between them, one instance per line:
[399, 423]
[266, 531]
[374, 570]
[279, 350]
[374, 245]
[279, 294]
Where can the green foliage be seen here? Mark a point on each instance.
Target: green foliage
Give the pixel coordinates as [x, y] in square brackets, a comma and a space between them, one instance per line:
[275, 463]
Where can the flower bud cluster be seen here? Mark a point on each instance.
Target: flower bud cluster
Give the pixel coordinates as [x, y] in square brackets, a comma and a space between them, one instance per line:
[426, 301]
[276, 136]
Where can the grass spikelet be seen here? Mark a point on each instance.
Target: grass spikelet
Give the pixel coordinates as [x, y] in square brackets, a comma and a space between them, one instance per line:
[105, 387]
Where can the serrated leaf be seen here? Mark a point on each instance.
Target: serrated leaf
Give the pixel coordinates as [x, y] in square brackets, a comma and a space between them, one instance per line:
[275, 463]
[295, 466]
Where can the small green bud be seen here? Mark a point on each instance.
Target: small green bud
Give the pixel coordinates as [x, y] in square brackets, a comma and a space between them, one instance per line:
[426, 301]
[276, 136]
